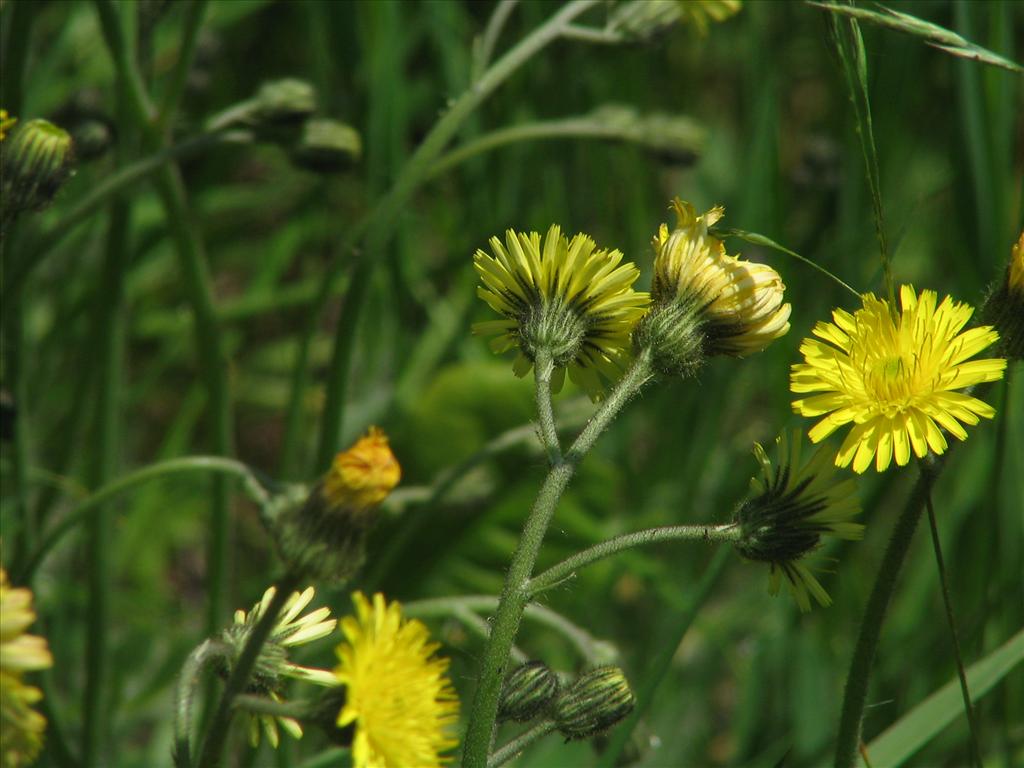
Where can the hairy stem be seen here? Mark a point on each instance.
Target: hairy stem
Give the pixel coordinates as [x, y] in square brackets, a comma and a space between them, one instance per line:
[515, 747]
[544, 366]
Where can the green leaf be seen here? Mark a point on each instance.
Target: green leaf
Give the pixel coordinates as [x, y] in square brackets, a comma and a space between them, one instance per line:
[925, 721]
[932, 34]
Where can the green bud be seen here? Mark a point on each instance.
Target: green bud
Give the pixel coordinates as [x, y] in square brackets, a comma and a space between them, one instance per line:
[673, 331]
[1004, 307]
[36, 161]
[284, 102]
[642, 20]
[527, 692]
[553, 328]
[598, 700]
[327, 146]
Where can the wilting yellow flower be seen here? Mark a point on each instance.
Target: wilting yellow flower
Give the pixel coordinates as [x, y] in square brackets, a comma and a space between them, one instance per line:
[568, 298]
[6, 123]
[894, 378]
[397, 693]
[364, 475]
[272, 664]
[701, 12]
[21, 727]
[1015, 276]
[738, 303]
[793, 504]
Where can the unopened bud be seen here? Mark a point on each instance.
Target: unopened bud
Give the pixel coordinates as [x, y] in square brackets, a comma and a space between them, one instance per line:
[595, 702]
[285, 101]
[36, 161]
[327, 146]
[1004, 307]
[527, 692]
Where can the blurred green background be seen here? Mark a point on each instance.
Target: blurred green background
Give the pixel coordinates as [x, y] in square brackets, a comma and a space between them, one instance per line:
[754, 680]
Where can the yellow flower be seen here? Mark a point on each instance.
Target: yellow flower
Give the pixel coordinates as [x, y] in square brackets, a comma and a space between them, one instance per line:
[894, 378]
[793, 505]
[567, 298]
[701, 12]
[272, 664]
[739, 303]
[21, 727]
[6, 123]
[363, 476]
[1015, 277]
[396, 691]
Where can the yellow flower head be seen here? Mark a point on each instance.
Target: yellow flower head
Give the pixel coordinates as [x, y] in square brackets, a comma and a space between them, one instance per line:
[272, 664]
[792, 505]
[740, 303]
[569, 298]
[362, 476]
[396, 691]
[1015, 276]
[21, 727]
[894, 378]
[6, 123]
[701, 12]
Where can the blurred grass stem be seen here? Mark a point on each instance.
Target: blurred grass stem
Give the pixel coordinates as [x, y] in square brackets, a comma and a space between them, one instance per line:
[515, 593]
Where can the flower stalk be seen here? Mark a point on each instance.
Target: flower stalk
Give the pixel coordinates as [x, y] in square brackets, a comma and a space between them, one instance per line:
[515, 747]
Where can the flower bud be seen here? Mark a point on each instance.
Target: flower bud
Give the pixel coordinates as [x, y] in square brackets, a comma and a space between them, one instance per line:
[643, 20]
[36, 161]
[1004, 307]
[527, 692]
[284, 102]
[327, 146]
[325, 536]
[596, 701]
[6, 123]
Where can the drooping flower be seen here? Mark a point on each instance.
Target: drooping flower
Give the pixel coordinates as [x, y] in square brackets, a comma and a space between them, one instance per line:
[793, 504]
[706, 302]
[273, 665]
[567, 298]
[21, 727]
[362, 476]
[895, 379]
[397, 693]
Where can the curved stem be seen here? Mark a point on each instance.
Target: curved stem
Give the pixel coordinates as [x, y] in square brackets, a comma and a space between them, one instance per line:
[184, 697]
[485, 44]
[81, 513]
[213, 746]
[543, 367]
[515, 593]
[972, 722]
[565, 569]
[515, 747]
[856, 690]
[194, 11]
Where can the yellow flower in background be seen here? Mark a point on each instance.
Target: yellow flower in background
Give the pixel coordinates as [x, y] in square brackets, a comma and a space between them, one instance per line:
[397, 693]
[362, 476]
[701, 13]
[1015, 276]
[6, 123]
[272, 664]
[21, 727]
[793, 504]
[568, 298]
[739, 303]
[894, 378]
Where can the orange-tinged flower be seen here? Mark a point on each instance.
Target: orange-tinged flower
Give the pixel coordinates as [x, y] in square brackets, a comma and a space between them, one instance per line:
[364, 475]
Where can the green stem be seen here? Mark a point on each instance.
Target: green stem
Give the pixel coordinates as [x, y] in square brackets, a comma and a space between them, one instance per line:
[264, 706]
[88, 506]
[856, 691]
[568, 567]
[239, 677]
[543, 367]
[515, 593]
[948, 603]
[657, 671]
[413, 173]
[194, 11]
[184, 698]
[489, 39]
[515, 747]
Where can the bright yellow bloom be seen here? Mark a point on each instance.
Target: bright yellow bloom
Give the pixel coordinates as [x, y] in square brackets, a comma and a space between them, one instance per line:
[740, 302]
[701, 12]
[396, 691]
[566, 297]
[272, 664]
[894, 378]
[792, 506]
[1015, 278]
[362, 476]
[21, 727]
[6, 123]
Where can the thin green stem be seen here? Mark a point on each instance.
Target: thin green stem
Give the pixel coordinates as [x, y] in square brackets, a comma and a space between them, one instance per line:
[543, 367]
[856, 691]
[568, 567]
[88, 506]
[184, 698]
[194, 11]
[515, 747]
[412, 175]
[515, 593]
[592, 35]
[264, 706]
[658, 668]
[485, 45]
[948, 603]
[213, 746]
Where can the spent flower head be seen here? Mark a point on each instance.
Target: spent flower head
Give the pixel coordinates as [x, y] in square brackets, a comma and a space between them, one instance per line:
[397, 692]
[895, 378]
[21, 727]
[565, 298]
[793, 504]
